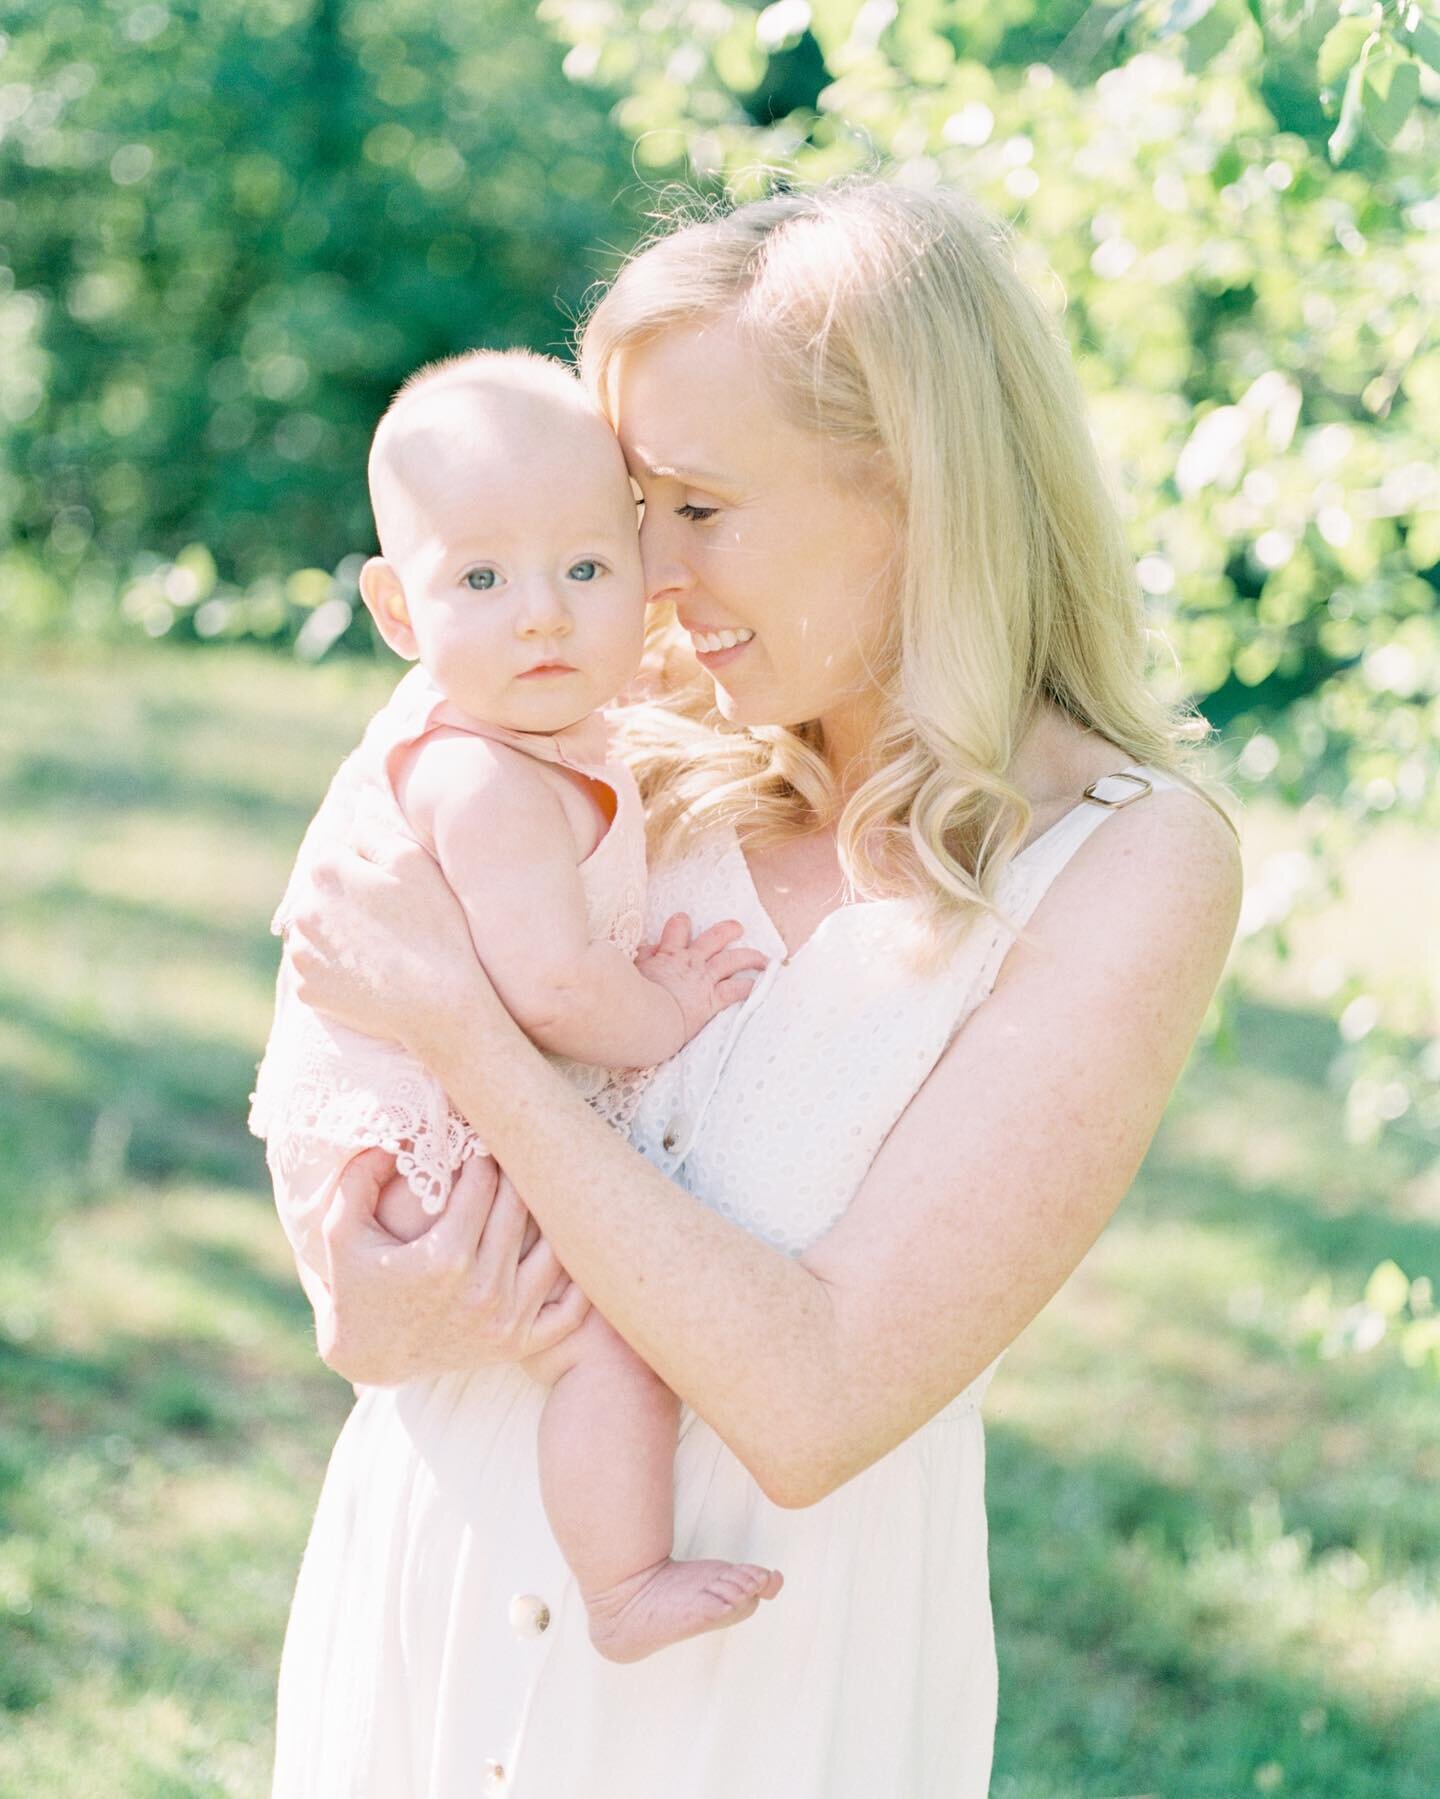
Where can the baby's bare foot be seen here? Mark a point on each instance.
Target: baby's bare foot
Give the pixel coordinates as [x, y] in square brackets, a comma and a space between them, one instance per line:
[672, 1601]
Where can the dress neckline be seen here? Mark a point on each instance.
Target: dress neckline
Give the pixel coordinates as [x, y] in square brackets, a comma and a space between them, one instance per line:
[787, 956]
[583, 747]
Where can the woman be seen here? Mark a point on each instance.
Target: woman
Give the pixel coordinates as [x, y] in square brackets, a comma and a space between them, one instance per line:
[871, 500]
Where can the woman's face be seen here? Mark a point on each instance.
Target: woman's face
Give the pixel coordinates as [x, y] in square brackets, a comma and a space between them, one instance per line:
[749, 529]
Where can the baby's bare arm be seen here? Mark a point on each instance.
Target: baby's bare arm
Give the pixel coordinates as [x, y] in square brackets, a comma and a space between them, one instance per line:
[503, 841]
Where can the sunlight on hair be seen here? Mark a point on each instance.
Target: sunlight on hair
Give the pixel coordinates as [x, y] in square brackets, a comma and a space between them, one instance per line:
[896, 326]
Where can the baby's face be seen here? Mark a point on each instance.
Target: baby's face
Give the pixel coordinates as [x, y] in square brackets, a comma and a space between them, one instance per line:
[510, 523]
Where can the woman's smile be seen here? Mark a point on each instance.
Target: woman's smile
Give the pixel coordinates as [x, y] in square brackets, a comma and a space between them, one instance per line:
[718, 649]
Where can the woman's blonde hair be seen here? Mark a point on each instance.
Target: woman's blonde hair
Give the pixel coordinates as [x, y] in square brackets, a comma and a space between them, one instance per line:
[895, 324]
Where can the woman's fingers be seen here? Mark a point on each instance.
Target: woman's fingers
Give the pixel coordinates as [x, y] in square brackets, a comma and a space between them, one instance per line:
[357, 1193]
[456, 1234]
[500, 1240]
[536, 1275]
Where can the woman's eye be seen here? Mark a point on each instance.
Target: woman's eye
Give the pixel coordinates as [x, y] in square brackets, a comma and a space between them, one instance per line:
[584, 571]
[696, 512]
[479, 580]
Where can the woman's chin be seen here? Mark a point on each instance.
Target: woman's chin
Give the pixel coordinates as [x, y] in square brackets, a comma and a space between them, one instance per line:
[737, 709]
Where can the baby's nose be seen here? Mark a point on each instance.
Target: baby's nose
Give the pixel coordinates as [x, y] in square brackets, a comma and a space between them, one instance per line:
[544, 612]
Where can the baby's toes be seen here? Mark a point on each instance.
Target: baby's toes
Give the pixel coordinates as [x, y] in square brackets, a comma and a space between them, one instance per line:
[744, 1582]
[729, 1589]
[763, 1582]
[751, 1578]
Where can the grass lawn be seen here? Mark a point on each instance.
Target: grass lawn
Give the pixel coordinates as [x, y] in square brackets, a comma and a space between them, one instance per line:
[1216, 1560]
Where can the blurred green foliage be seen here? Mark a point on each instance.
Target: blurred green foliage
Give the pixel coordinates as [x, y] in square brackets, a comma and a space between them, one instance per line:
[227, 231]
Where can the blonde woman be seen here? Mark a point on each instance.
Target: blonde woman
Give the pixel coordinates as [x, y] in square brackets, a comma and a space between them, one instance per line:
[935, 790]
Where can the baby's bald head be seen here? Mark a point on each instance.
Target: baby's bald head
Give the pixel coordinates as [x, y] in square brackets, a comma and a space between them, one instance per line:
[508, 539]
[453, 425]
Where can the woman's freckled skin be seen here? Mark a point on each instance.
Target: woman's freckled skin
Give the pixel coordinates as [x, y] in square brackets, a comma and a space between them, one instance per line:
[789, 553]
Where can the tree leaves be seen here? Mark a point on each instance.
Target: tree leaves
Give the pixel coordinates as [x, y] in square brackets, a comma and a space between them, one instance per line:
[1380, 72]
[223, 244]
[1392, 86]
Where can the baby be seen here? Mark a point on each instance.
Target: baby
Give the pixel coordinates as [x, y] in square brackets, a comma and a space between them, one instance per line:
[510, 571]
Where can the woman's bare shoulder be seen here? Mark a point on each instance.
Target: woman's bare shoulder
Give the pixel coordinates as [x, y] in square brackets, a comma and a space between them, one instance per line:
[1153, 893]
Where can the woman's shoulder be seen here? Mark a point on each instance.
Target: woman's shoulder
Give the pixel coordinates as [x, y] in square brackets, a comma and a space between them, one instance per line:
[1180, 826]
[1162, 879]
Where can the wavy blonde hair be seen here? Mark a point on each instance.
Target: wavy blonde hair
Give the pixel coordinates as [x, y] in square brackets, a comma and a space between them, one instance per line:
[894, 324]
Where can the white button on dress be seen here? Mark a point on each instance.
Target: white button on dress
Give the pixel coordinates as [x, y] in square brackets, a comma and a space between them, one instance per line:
[529, 1615]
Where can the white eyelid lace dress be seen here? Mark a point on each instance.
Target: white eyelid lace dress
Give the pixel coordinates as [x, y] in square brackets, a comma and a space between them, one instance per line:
[437, 1646]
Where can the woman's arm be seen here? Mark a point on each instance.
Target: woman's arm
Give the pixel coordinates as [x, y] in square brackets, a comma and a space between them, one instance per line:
[984, 1198]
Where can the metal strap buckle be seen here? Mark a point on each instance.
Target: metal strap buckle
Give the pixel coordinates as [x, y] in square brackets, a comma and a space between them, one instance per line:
[1141, 785]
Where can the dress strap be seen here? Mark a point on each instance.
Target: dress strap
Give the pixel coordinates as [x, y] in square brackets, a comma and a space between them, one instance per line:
[1030, 873]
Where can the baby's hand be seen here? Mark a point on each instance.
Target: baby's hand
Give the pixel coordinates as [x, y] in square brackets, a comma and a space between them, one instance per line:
[702, 975]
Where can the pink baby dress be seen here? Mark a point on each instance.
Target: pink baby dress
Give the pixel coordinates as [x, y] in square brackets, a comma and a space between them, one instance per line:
[325, 1092]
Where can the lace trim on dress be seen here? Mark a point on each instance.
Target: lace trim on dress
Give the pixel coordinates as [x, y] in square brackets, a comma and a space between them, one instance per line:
[325, 1108]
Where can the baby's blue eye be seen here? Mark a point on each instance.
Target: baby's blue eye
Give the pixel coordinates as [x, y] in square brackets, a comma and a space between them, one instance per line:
[479, 580]
[584, 571]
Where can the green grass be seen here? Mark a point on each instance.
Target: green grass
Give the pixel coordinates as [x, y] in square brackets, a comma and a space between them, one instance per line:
[1216, 1561]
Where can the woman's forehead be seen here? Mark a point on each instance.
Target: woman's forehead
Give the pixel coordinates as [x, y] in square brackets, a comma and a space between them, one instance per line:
[691, 402]
[707, 365]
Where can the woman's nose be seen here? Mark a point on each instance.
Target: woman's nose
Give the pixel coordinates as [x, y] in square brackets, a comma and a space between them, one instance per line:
[667, 575]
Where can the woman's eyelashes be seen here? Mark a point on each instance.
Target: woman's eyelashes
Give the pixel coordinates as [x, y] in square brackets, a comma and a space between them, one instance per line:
[697, 513]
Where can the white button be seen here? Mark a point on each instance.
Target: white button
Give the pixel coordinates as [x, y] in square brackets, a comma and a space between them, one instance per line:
[494, 1778]
[675, 1131]
[529, 1615]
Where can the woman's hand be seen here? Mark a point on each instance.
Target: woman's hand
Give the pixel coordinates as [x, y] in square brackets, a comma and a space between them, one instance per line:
[378, 940]
[466, 1293]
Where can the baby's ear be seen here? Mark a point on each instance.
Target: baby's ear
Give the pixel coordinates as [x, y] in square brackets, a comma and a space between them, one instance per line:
[381, 591]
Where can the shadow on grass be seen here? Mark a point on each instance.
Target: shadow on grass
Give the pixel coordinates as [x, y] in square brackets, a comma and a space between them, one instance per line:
[1122, 1674]
[115, 1435]
[43, 783]
[139, 1387]
[1344, 1244]
[98, 1107]
[1336, 1223]
[125, 924]
[1284, 1042]
[228, 1271]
